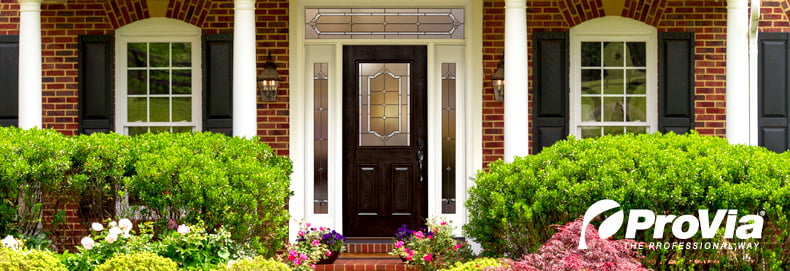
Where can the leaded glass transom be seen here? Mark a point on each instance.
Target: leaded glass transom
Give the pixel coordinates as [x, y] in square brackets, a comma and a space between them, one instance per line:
[384, 23]
[384, 98]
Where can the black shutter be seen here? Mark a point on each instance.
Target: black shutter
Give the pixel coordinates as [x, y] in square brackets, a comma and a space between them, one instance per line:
[9, 80]
[218, 83]
[96, 98]
[550, 84]
[676, 82]
[773, 91]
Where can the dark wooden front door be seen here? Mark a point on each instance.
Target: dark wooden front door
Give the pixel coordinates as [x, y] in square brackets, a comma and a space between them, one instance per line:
[384, 139]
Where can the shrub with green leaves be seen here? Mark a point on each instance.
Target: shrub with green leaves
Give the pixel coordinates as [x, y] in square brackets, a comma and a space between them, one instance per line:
[29, 260]
[513, 204]
[254, 264]
[143, 261]
[476, 264]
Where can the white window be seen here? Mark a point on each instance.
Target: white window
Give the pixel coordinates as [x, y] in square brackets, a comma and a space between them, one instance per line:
[613, 77]
[158, 77]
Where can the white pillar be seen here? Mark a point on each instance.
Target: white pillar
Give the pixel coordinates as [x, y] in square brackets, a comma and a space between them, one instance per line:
[30, 64]
[516, 94]
[245, 99]
[737, 72]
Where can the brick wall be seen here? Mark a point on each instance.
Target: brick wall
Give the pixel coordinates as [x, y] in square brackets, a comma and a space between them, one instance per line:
[707, 18]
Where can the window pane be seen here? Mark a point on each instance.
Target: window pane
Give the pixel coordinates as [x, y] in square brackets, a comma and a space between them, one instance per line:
[593, 131]
[160, 109]
[160, 54]
[182, 54]
[591, 54]
[636, 54]
[182, 129]
[133, 131]
[591, 81]
[613, 109]
[613, 130]
[160, 82]
[637, 106]
[613, 81]
[448, 138]
[137, 55]
[636, 129]
[136, 109]
[636, 81]
[591, 109]
[159, 130]
[182, 109]
[137, 82]
[182, 81]
[613, 54]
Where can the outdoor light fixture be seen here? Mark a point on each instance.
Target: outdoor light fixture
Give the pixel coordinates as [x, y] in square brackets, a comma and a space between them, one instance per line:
[269, 81]
[498, 82]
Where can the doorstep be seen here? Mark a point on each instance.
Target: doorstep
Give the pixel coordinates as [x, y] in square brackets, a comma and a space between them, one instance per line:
[366, 261]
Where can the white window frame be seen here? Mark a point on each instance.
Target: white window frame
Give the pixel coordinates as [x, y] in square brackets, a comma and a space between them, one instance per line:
[157, 30]
[615, 29]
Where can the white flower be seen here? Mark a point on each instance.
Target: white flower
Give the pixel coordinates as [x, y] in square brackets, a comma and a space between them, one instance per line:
[183, 229]
[125, 225]
[111, 238]
[230, 263]
[115, 231]
[97, 226]
[113, 224]
[87, 242]
[10, 242]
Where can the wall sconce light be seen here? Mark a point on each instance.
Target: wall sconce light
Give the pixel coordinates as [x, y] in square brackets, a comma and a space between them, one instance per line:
[498, 82]
[269, 81]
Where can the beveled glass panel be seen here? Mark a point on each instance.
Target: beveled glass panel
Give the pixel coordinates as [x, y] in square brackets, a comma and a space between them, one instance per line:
[613, 109]
[182, 109]
[160, 81]
[591, 81]
[384, 104]
[636, 81]
[320, 135]
[136, 109]
[384, 23]
[182, 81]
[137, 55]
[448, 138]
[636, 109]
[182, 54]
[159, 109]
[159, 54]
[613, 54]
[592, 131]
[613, 81]
[367, 28]
[636, 54]
[137, 82]
[591, 108]
[591, 54]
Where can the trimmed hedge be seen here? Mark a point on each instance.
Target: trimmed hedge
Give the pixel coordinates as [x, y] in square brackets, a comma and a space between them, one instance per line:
[142, 261]
[187, 177]
[29, 260]
[514, 204]
[257, 263]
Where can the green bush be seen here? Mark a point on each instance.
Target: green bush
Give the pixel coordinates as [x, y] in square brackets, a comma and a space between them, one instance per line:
[257, 263]
[514, 204]
[186, 178]
[142, 261]
[476, 264]
[29, 260]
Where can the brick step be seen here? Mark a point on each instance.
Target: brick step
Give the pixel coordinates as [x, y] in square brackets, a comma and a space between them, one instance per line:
[377, 247]
[366, 261]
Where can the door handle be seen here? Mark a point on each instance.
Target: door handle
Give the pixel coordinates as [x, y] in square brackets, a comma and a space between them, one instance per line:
[420, 157]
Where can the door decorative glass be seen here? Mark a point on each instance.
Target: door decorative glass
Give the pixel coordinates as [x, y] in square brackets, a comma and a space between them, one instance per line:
[384, 107]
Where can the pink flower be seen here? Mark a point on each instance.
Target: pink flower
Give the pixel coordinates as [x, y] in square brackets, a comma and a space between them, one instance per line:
[428, 257]
[316, 243]
[322, 229]
[457, 246]
[444, 223]
[300, 233]
[399, 244]
[411, 253]
[308, 225]
[419, 235]
[303, 256]
[297, 262]
[312, 266]
[292, 255]
[328, 253]
[408, 258]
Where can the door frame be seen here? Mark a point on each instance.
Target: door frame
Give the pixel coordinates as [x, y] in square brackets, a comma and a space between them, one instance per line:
[304, 53]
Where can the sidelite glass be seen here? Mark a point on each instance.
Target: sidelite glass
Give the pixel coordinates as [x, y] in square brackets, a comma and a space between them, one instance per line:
[384, 104]
[613, 94]
[321, 135]
[448, 138]
[159, 87]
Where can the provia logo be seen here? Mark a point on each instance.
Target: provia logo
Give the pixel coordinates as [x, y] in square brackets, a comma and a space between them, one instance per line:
[683, 227]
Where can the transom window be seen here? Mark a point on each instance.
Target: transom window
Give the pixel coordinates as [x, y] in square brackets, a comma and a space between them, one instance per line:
[613, 77]
[158, 77]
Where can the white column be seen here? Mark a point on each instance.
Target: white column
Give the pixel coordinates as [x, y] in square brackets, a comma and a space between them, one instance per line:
[516, 94]
[737, 72]
[30, 64]
[245, 99]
